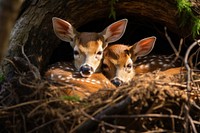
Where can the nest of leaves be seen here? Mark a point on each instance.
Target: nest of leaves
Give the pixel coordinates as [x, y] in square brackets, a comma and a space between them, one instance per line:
[152, 102]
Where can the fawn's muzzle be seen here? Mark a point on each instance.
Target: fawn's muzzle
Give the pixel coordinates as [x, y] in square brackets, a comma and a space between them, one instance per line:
[117, 82]
[86, 70]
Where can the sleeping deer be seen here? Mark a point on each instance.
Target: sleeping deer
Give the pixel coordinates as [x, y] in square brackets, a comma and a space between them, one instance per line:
[120, 61]
[84, 73]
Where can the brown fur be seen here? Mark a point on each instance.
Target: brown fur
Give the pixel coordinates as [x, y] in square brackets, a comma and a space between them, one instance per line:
[85, 37]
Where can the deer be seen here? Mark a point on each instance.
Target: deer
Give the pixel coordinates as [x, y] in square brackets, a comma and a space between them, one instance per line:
[84, 73]
[121, 62]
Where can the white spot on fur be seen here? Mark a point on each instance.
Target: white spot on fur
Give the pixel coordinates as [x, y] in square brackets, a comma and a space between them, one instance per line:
[68, 77]
[144, 61]
[98, 82]
[165, 65]
[88, 81]
[52, 75]
[87, 93]
[62, 78]
[144, 57]
[142, 66]
[151, 60]
[67, 81]
[82, 80]
[167, 60]
[60, 66]
[67, 68]
[146, 66]
[71, 69]
[93, 80]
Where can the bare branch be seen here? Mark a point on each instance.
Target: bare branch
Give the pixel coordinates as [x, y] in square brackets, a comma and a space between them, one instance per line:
[187, 107]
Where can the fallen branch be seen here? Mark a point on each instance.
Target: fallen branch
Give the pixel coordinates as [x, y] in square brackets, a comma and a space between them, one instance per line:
[92, 123]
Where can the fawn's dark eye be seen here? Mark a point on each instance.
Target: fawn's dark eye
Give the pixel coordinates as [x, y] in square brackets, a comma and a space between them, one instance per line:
[129, 66]
[76, 53]
[105, 66]
[99, 53]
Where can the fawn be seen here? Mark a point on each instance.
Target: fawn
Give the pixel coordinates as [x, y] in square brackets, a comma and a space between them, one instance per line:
[84, 73]
[88, 46]
[120, 66]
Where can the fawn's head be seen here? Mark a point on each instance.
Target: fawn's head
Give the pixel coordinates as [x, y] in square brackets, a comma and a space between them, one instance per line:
[88, 46]
[119, 60]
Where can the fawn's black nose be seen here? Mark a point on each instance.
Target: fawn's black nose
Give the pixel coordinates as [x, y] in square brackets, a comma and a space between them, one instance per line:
[117, 82]
[86, 70]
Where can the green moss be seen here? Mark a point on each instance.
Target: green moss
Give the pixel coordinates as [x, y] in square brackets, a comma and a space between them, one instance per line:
[187, 16]
[196, 27]
[184, 5]
[112, 9]
[71, 98]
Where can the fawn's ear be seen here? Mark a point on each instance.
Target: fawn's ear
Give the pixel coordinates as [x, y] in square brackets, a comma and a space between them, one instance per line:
[143, 47]
[63, 30]
[114, 31]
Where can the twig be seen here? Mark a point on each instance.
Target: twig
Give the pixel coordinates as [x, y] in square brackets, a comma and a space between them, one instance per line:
[174, 84]
[170, 41]
[31, 66]
[197, 55]
[195, 105]
[171, 84]
[90, 124]
[108, 124]
[26, 85]
[23, 121]
[47, 102]
[42, 125]
[21, 104]
[160, 131]
[144, 116]
[188, 81]
[12, 64]
[23, 53]
[192, 124]
[172, 45]
[148, 116]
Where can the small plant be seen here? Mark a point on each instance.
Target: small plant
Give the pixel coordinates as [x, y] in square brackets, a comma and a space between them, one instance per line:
[196, 27]
[71, 98]
[184, 5]
[1, 77]
[112, 9]
[184, 8]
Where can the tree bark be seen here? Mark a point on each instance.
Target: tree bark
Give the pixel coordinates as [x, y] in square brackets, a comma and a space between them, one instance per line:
[34, 31]
[8, 13]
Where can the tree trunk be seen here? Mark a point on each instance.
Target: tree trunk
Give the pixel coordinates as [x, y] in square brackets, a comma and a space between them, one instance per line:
[8, 13]
[34, 31]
